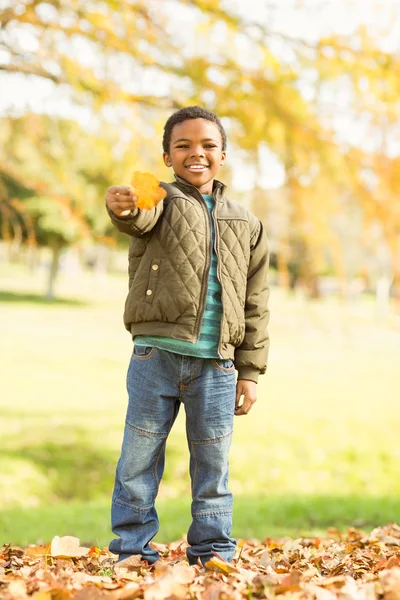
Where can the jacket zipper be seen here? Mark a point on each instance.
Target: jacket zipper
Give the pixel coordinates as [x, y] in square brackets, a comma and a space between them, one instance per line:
[202, 305]
[216, 248]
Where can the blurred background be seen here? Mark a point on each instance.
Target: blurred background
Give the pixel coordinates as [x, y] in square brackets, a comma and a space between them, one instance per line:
[308, 91]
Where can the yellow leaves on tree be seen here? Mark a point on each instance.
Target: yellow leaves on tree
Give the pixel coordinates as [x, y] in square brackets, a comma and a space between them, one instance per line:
[148, 190]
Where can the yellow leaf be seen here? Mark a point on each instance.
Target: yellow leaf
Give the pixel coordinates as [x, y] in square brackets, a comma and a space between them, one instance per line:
[94, 551]
[37, 551]
[42, 595]
[147, 189]
[221, 566]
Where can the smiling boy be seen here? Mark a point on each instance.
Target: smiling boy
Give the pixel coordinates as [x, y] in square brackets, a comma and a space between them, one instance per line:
[197, 311]
[196, 153]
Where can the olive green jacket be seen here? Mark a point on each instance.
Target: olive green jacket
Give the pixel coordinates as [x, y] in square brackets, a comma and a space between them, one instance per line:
[169, 261]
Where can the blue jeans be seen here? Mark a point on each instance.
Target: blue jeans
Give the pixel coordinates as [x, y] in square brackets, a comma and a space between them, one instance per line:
[158, 382]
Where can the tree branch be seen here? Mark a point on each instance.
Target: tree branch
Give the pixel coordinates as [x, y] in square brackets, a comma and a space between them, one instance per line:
[31, 70]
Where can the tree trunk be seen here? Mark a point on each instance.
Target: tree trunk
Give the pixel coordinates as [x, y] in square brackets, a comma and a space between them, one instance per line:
[383, 296]
[53, 271]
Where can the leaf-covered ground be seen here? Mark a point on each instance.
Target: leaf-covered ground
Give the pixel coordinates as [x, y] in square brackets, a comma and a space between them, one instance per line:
[353, 566]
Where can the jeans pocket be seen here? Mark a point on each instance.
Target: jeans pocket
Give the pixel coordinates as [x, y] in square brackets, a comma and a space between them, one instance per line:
[143, 352]
[224, 364]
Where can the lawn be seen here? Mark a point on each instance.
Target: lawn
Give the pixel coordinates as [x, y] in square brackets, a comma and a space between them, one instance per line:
[319, 449]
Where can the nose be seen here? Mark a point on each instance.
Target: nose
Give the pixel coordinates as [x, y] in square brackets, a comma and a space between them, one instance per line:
[197, 151]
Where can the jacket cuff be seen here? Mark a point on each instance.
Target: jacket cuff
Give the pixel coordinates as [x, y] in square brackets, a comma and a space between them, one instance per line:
[248, 373]
[114, 217]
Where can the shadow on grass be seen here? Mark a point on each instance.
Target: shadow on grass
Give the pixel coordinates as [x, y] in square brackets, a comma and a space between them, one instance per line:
[23, 297]
[76, 463]
[75, 471]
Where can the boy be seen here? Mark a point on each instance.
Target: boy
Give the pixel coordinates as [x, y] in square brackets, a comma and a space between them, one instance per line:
[197, 310]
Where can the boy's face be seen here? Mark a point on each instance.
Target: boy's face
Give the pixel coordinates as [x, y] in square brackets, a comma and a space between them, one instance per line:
[195, 152]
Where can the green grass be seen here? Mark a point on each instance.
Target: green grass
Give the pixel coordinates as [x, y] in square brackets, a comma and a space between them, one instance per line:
[319, 449]
[254, 517]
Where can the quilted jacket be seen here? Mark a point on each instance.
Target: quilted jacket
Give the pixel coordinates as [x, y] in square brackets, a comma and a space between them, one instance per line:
[169, 261]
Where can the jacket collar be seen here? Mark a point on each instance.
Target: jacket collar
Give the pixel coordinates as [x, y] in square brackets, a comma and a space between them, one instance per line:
[218, 188]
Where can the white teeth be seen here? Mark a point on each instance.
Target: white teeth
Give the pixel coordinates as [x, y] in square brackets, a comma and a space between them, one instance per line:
[197, 167]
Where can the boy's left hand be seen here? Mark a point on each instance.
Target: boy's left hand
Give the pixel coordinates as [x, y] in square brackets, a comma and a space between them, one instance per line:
[247, 389]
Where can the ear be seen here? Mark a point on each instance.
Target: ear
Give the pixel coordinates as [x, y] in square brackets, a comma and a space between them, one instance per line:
[223, 158]
[167, 159]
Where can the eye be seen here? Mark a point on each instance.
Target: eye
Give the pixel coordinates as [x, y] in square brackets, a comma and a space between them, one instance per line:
[182, 146]
[210, 146]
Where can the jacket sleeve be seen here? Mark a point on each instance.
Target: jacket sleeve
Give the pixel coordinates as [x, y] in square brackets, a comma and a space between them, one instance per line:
[251, 356]
[139, 221]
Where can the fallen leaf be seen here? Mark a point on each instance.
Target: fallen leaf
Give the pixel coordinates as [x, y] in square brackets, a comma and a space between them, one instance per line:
[390, 581]
[173, 581]
[94, 551]
[129, 591]
[132, 563]
[38, 551]
[319, 593]
[336, 582]
[291, 583]
[220, 566]
[43, 595]
[67, 547]
[213, 592]
[393, 561]
[352, 566]
[17, 590]
[164, 587]
[86, 593]
[85, 578]
[389, 540]
[266, 560]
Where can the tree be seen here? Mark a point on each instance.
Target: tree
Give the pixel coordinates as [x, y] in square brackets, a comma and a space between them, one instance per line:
[134, 60]
[65, 177]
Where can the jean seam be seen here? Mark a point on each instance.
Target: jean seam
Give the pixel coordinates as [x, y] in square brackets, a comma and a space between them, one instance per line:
[184, 386]
[209, 513]
[211, 441]
[133, 506]
[196, 468]
[156, 463]
[146, 433]
[171, 422]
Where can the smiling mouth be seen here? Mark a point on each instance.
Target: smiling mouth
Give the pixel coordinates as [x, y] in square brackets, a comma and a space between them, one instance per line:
[196, 168]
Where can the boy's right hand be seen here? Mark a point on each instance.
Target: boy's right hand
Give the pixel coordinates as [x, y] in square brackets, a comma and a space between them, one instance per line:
[121, 199]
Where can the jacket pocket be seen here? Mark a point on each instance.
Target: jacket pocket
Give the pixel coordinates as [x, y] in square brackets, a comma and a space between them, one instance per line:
[153, 279]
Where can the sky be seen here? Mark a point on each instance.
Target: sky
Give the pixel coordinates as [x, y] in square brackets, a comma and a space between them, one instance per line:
[317, 17]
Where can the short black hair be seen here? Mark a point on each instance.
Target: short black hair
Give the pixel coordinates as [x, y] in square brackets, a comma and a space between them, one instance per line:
[191, 112]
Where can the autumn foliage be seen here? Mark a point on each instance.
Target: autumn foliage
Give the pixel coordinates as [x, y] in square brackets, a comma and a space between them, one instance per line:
[324, 108]
[352, 566]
